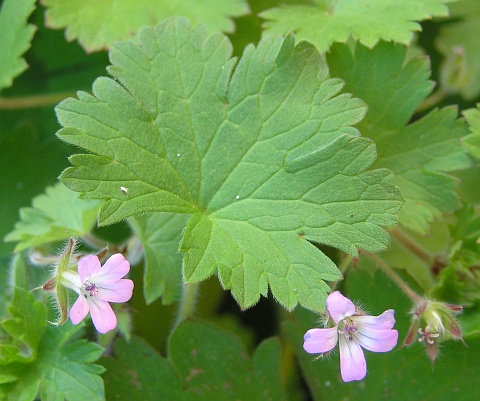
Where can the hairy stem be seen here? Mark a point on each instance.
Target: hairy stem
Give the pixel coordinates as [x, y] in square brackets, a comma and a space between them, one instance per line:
[342, 267]
[412, 246]
[187, 303]
[29, 102]
[395, 277]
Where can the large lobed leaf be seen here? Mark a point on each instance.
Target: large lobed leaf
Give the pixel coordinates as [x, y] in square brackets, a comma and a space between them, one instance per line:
[324, 22]
[98, 24]
[16, 36]
[262, 156]
[420, 153]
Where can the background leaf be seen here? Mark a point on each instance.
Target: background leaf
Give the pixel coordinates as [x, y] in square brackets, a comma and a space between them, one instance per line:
[56, 215]
[97, 24]
[270, 163]
[419, 153]
[324, 22]
[16, 36]
[160, 235]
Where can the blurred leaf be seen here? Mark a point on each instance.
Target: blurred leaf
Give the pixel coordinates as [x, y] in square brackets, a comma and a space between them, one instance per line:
[472, 141]
[97, 24]
[16, 36]
[265, 159]
[324, 22]
[160, 235]
[56, 215]
[418, 153]
[459, 43]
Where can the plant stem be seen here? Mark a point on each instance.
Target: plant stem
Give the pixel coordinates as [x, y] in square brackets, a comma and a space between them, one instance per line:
[413, 247]
[187, 303]
[395, 277]
[28, 102]
[342, 267]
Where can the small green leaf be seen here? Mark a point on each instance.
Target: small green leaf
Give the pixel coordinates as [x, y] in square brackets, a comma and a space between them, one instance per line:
[160, 235]
[324, 22]
[264, 158]
[472, 141]
[56, 215]
[16, 36]
[459, 42]
[419, 153]
[97, 24]
[45, 361]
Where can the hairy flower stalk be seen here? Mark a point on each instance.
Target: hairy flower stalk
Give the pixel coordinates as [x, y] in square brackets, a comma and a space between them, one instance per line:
[353, 331]
[96, 286]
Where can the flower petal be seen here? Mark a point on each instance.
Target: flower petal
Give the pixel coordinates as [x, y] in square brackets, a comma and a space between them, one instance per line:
[376, 340]
[103, 317]
[339, 306]
[88, 266]
[317, 341]
[113, 270]
[120, 291]
[384, 321]
[352, 361]
[79, 310]
[71, 279]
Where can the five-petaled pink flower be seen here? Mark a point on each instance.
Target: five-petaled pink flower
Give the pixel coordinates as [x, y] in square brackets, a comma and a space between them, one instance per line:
[96, 286]
[353, 330]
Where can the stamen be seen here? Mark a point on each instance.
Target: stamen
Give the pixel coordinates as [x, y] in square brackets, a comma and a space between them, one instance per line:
[349, 328]
[428, 335]
[92, 289]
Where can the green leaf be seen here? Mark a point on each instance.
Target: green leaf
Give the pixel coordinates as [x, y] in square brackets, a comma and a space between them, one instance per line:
[419, 153]
[160, 235]
[204, 363]
[56, 215]
[16, 36]
[46, 362]
[138, 372]
[472, 141]
[459, 42]
[264, 158]
[98, 24]
[324, 22]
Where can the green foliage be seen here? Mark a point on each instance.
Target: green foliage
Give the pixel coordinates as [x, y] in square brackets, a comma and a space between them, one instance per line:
[16, 36]
[204, 363]
[459, 43]
[38, 358]
[418, 153]
[98, 24]
[324, 22]
[472, 141]
[264, 159]
[160, 234]
[54, 216]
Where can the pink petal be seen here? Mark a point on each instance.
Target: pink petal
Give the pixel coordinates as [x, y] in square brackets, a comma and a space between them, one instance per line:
[383, 322]
[352, 360]
[317, 341]
[113, 270]
[339, 306]
[376, 340]
[120, 291]
[103, 317]
[88, 266]
[79, 310]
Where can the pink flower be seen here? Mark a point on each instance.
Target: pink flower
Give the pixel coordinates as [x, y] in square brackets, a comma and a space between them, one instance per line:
[353, 330]
[96, 286]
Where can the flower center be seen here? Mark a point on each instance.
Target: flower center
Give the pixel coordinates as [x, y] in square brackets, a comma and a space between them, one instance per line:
[91, 289]
[349, 328]
[428, 335]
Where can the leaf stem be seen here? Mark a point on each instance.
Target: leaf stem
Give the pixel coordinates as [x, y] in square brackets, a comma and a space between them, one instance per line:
[395, 277]
[413, 247]
[342, 267]
[29, 102]
[187, 303]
